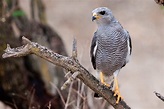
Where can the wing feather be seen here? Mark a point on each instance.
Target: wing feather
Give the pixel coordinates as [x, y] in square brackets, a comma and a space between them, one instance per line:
[93, 50]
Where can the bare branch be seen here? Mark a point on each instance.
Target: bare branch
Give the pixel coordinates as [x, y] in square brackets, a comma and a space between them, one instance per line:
[16, 52]
[74, 75]
[70, 80]
[70, 64]
[159, 95]
[160, 2]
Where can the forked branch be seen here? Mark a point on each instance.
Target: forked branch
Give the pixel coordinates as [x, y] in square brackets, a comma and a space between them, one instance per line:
[69, 63]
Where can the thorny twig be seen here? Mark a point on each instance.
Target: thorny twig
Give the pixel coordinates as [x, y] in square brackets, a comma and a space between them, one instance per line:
[69, 64]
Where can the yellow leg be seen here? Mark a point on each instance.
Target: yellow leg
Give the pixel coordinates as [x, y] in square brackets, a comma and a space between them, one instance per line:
[102, 79]
[116, 90]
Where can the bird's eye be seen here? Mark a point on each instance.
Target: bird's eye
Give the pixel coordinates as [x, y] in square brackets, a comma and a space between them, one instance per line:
[102, 12]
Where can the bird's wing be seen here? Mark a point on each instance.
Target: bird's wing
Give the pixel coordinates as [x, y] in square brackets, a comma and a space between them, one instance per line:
[129, 41]
[93, 50]
[129, 46]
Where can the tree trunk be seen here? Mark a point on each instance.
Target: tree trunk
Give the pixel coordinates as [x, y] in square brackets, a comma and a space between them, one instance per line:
[25, 81]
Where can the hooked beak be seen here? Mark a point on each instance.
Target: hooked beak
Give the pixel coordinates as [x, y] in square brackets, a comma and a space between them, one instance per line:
[95, 16]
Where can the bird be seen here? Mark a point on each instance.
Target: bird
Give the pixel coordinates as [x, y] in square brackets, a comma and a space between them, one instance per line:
[111, 48]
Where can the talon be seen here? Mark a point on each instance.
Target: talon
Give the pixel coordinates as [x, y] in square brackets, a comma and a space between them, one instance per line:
[119, 97]
[116, 91]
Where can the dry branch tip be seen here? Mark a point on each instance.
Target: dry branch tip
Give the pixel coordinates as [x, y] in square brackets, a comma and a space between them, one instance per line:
[70, 79]
[18, 51]
[159, 95]
[8, 48]
[74, 49]
[25, 40]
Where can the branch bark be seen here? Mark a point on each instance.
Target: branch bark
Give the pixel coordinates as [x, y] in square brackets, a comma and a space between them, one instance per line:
[69, 63]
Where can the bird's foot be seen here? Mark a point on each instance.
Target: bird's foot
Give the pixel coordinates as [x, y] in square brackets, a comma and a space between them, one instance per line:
[117, 93]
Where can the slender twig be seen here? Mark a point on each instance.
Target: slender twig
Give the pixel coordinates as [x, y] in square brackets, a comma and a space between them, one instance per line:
[31, 98]
[49, 105]
[69, 96]
[159, 95]
[78, 95]
[74, 49]
[15, 106]
[60, 94]
[72, 102]
[67, 63]
[85, 103]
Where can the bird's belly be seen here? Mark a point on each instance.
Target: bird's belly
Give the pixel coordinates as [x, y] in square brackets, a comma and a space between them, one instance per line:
[111, 54]
[108, 63]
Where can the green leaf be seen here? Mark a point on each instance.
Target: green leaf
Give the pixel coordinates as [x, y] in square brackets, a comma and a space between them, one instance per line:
[18, 13]
[162, 7]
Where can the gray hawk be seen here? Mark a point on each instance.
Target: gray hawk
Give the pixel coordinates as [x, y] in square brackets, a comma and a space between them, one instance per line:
[110, 48]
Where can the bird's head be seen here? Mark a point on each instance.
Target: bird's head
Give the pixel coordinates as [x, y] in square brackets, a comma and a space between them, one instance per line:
[102, 15]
